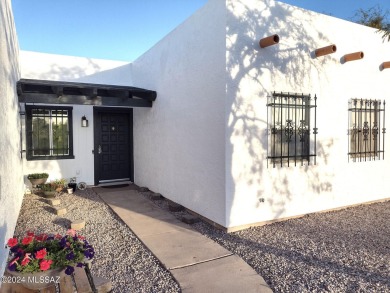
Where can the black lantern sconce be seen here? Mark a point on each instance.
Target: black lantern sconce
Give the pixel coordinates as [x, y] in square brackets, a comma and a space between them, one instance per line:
[84, 121]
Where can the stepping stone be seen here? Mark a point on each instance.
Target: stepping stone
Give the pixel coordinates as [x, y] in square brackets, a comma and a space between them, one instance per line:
[156, 196]
[189, 219]
[60, 211]
[77, 224]
[174, 207]
[143, 189]
[53, 201]
[102, 284]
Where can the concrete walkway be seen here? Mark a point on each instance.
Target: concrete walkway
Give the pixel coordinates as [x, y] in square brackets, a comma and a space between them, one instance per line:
[196, 262]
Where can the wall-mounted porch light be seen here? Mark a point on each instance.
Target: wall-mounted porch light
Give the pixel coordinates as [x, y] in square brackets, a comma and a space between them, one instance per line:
[84, 121]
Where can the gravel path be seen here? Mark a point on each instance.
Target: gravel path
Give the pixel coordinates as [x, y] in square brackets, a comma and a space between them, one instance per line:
[119, 255]
[342, 251]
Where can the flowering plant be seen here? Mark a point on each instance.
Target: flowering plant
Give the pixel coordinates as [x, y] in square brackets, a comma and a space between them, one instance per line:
[37, 253]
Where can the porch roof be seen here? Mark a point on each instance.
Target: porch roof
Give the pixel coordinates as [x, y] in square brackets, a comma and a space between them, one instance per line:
[61, 92]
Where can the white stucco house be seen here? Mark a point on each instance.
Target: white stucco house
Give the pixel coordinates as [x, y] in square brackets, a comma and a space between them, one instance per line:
[240, 135]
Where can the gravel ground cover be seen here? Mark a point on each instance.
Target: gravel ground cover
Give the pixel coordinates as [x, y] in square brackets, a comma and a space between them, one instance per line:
[340, 251]
[119, 255]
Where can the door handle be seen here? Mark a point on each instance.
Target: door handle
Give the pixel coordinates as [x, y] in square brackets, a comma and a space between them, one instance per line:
[99, 149]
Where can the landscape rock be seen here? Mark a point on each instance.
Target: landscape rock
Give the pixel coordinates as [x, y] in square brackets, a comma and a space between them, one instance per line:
[77, 224]
[189, 219]
[59, 211]
[53, 201]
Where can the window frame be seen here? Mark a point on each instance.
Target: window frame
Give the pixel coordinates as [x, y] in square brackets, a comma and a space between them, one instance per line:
[366, 130]
[290, 120]
[29, 132]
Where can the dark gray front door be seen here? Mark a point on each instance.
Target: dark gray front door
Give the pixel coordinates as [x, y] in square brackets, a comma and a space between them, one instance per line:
[113, 144]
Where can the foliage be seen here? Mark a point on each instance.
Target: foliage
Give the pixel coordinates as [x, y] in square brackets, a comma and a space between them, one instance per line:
[48, 187]
[37, 175]
[374, 17]
[60, 182]
[55, 185]
[37, 253]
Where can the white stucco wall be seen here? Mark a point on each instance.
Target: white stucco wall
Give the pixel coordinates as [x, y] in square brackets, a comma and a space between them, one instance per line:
[179, 142]
[253, 73]
[45, 66]
[11, 173]
[77, 69]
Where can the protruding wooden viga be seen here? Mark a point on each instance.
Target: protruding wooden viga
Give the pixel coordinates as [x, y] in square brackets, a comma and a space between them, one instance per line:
[353, 56]
[269, 41]
[325, 50]
[386, 64]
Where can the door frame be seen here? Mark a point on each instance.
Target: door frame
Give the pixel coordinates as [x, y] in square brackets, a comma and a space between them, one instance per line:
[96, 133]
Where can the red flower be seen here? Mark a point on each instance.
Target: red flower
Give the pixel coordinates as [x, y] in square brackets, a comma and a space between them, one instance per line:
[58, 236]
[29, 233]
[27, 240]
[41, 237]
[12, 242]
[26, 259]
[45, 264]
[40, 254]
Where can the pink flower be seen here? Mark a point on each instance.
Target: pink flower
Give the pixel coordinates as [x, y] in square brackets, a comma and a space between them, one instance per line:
[40, 254]
[71, 232]
[27, 240]
[45, 264]
[12, 242]
[14, 261]
[26, 259]
[58, 236]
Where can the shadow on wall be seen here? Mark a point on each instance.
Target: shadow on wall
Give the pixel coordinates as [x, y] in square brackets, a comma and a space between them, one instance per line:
[252, 74]
[66, 72]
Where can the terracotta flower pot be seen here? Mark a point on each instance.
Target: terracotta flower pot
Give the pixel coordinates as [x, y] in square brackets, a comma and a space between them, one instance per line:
[38, 280]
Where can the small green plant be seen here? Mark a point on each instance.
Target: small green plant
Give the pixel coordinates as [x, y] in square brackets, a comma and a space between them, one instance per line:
[37, 175]
[60, 182]
[48, 187]
[55, 185]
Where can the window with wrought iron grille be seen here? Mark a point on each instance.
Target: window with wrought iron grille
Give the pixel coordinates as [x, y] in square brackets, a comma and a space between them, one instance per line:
[292, 134]
[366, 130]
[49, 132]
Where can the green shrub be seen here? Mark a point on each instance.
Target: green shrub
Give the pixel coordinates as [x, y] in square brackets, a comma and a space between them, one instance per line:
[37, 175]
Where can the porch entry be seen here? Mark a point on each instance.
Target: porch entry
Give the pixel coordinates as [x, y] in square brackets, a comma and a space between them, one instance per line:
[113, 144]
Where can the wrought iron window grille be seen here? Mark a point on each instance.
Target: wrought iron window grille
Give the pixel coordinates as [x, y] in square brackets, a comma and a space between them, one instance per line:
[292, 129]
[366, 130]
[49, 132]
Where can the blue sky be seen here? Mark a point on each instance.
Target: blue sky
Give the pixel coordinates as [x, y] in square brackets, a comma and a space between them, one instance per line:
[124, 29]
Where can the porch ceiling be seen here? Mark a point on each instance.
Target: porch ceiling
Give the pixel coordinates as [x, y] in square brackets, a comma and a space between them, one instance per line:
[60, 92]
